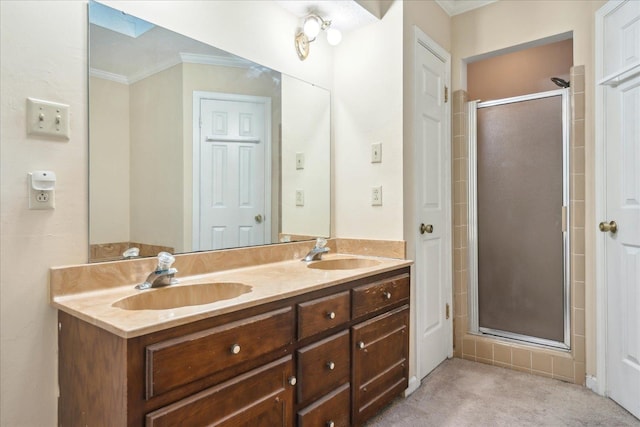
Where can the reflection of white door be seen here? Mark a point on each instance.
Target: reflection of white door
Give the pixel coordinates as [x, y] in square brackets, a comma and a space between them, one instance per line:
[433, 245]
[233, 179]
[618, 176]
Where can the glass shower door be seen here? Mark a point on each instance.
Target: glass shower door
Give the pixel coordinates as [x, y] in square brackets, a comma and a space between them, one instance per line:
[521, 230]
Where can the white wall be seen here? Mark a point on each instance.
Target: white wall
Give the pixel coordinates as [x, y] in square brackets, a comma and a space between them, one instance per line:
[367, 108]
[43, 55]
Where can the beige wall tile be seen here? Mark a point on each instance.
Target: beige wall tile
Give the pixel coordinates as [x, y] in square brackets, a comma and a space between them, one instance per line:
[469, 346]
[469, 357]
[579, 349]
[577, 185]
[501, 365]
[577, 133]
[577, 159]
[541, 362]
[502, 353]
[579, 295]
[484, 349]
[521, 358]
[521, 369]
[577, 213]
[485, 361]
[577, 241]
[563, 367]
[579, 374]
[577, 269]
[578, 321]
[578, 106]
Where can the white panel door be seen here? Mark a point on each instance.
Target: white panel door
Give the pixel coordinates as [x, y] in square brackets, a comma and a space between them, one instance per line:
[433, 245]
[622, 248]
[232, 174]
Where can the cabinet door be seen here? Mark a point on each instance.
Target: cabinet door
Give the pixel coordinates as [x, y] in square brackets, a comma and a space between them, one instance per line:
[261, 397]
[380, 362]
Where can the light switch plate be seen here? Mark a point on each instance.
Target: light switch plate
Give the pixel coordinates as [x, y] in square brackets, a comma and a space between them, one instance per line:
[299, 197]
[299, 160]
[47, 118]
[376, 196]
[376, 153]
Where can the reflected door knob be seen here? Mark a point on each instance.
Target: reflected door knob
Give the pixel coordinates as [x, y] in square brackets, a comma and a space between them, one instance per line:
[258, 219]
[426, 228]
[608, 226]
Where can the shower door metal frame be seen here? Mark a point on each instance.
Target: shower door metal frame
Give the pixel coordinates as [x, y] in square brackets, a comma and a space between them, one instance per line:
[472, 211]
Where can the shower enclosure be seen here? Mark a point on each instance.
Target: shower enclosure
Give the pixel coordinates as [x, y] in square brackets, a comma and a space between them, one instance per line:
[518, 218]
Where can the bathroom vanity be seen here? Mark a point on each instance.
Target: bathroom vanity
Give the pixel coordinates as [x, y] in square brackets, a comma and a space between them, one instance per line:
[332, 352]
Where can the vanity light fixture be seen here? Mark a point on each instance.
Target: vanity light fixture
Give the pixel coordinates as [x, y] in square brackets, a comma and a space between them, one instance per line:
[312, 26]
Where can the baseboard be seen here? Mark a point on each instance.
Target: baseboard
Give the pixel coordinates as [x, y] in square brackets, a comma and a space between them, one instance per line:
[592, 384]
[413, 386]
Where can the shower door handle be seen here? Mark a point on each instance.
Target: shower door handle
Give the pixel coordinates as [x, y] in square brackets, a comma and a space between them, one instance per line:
[608, 226]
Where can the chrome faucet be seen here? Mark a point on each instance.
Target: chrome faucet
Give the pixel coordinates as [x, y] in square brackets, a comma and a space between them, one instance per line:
[163, 275]
[315, 254]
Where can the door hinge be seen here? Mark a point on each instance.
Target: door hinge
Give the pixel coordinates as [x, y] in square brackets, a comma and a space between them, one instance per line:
[446, 310]
[446, 94]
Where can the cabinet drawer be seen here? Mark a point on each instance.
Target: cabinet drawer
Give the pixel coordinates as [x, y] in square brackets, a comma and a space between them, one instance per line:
[381, 369]
[323, 366]
[331, 410]
[374, 296]
[262, 397]
[179, 361]
[323, 313]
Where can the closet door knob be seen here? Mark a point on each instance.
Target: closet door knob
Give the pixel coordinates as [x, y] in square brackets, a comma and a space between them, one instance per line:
[426, 228]
[331, 366]
[361, 345]
[386, 294]
[292, 380]
[235, 349]
[331, 315]
[611, 226]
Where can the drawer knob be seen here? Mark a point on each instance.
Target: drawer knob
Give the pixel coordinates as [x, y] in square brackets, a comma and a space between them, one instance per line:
[361, 345]
[387, 294]
[331, 315]
[331, 366]
[292, 380]
[235, 349]
[331, 424]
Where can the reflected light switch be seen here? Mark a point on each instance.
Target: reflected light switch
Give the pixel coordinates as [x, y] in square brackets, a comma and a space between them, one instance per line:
[299, 197]
[299, 160]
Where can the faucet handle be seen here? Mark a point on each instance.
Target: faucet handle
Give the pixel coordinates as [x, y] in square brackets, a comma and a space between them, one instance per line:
[165, 259]
[321, 242]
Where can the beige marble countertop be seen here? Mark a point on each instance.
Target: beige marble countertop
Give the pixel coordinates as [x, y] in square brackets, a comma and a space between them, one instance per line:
[269, 282]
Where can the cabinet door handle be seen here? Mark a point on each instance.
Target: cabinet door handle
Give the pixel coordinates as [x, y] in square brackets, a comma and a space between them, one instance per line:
[331, 315]
[292, 380]
[386, 294]
[331, 424]
[361, 345]
[235, 349]
[331, 366]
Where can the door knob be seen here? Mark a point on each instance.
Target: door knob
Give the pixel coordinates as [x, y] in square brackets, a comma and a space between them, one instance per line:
[609, 226]
[426, 228]
[258, 219]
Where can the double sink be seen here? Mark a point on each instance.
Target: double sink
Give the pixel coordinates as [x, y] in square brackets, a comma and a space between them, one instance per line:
[205, 293]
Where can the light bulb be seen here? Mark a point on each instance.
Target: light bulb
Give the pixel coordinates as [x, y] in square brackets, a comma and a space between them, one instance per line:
[334, 36]
[311, 27]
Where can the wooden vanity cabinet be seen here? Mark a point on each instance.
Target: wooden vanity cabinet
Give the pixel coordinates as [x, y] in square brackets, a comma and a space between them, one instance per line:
[332, 357]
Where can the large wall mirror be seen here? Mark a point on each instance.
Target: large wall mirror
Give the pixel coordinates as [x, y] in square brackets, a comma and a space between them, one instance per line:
[192, 148]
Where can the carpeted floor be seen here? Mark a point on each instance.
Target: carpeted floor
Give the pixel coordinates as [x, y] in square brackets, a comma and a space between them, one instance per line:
[462, 393]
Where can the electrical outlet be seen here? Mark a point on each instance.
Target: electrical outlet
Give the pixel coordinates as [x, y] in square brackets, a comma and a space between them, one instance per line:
[376, 153]
[299, 197]
[41, 199]
[376, 196]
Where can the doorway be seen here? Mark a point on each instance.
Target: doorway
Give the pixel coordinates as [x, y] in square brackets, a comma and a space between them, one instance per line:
[231, 171]
[519, 220]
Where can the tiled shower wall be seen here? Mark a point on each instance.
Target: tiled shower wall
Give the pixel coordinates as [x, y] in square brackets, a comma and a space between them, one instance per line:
[566, 366]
